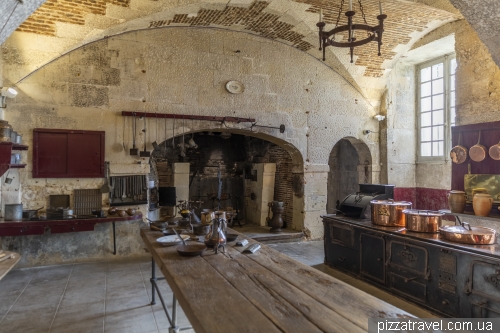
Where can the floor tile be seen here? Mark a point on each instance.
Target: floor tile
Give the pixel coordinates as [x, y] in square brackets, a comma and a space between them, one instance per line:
[136, 319]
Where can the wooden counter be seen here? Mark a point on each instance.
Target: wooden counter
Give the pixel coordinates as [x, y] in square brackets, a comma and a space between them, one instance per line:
[39, 227]
[7, 264]
[262, 292]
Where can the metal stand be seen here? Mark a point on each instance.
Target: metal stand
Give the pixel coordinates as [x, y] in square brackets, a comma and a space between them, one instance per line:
[171, 319]
[114, 238]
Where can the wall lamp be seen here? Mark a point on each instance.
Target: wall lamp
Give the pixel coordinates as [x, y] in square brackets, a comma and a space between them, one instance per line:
[6, 92]
[379, 117]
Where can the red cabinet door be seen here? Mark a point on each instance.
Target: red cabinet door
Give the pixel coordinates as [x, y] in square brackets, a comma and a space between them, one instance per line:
[68, 153]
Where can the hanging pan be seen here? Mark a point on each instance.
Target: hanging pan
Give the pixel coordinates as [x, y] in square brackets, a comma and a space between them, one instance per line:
[477, 152]
[495, 152]
[458, 154]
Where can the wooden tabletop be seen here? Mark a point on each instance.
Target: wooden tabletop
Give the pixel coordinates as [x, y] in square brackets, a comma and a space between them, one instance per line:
[7, 264]
[262, 292]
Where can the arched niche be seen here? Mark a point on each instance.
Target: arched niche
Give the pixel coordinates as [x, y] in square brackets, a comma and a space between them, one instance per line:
[350, 164]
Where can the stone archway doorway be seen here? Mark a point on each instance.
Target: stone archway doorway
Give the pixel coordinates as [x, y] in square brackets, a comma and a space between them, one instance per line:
[350, 165]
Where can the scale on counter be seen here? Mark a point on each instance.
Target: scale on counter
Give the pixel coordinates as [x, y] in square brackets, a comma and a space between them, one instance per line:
[358, 204]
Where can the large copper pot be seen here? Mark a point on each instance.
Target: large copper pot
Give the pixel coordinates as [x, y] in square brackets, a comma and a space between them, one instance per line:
[422, 220]
[389, 213]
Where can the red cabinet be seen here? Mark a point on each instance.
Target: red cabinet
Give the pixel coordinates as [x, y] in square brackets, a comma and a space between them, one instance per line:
[68, 153]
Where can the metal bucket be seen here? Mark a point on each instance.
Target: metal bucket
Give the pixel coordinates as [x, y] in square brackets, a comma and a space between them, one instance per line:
[13, 212]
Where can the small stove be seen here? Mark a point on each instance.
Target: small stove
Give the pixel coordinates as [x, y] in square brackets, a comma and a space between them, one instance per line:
[358, 204]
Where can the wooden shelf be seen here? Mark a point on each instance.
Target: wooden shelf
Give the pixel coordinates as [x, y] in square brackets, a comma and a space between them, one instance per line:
[6, 149]
[16, 146]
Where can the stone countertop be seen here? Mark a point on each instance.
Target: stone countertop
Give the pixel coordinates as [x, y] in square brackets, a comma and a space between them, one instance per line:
[84, 220]
[487, 250]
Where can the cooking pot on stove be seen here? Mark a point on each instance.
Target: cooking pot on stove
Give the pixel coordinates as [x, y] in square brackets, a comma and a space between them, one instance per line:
[467, 234]
[423, 220]
[389, 213]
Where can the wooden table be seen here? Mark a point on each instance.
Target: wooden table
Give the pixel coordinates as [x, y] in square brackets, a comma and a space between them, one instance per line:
[262, 292]
[7, 264]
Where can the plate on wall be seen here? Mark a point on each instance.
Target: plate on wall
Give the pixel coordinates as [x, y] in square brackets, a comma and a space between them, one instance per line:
[235, 87]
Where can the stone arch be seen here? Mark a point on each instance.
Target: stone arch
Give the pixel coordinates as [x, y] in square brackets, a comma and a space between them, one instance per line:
[350, 164]
[297, 201]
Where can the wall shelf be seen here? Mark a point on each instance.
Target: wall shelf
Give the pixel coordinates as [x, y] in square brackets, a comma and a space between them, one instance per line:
[6, 149]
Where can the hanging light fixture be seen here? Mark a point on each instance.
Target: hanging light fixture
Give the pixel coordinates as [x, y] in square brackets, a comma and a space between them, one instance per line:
[327, 38]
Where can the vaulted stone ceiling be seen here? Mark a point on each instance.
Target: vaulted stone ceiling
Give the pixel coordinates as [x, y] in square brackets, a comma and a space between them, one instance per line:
[68, 24]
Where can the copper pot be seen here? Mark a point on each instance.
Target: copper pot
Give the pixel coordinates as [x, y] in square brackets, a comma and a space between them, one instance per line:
[389, 213]
[423, 220]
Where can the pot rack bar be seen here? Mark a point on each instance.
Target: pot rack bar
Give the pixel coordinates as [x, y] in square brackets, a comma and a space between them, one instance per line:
[186, 116]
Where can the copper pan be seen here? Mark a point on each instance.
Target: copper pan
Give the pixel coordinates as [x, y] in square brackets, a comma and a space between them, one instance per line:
[495, 152]
[477, 152]
[466, 234]
[458, 154]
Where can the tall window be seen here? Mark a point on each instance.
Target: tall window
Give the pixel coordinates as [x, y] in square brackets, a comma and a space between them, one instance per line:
[436, 107]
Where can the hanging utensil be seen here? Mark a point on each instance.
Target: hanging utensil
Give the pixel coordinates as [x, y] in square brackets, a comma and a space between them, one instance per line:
[105, 187]
[173, 134]
[164, 147]
[182, 145]
[133, 150]
[155, 143]
[123, 134]
[477, 152]
[458, 154]
[495, 152]
[145, 153]
[191, 142]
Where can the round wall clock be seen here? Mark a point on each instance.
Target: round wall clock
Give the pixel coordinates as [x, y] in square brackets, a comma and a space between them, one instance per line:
[235, 87]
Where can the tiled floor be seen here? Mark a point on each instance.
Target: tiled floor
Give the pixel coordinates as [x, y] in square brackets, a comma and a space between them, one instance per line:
[115, 296]
[96, 297]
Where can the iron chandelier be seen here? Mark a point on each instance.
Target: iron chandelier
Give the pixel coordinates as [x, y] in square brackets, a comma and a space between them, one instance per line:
[327, 38]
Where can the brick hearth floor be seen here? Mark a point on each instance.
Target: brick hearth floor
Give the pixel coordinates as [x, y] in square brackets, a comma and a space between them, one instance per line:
[114, 296]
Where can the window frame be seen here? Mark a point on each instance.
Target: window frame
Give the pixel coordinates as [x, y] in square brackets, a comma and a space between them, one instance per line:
[446, 60]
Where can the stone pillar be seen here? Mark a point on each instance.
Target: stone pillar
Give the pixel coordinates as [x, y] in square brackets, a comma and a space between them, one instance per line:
[262, 188]
[181, 180]
[315, 195]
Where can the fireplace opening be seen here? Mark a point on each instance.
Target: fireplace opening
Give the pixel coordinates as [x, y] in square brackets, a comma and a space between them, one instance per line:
[254, 173]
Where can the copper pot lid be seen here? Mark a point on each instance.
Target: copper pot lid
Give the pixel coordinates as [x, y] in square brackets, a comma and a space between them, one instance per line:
[458, 229]
[423, 212]
[390, 202]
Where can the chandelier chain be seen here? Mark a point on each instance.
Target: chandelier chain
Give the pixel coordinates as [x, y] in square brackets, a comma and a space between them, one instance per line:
[363, 15]
[362, 12]
[340, 12]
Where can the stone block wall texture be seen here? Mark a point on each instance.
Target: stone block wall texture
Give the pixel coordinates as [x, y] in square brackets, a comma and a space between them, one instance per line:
[184, 71]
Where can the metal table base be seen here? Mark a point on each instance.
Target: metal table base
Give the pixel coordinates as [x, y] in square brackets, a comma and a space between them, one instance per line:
[172, 318]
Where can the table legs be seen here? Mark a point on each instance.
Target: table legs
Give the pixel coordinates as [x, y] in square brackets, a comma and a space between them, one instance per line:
[114, 238]
[171, 319]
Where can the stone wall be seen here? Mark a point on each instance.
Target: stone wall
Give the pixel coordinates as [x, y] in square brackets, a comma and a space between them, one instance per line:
[184, 71]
